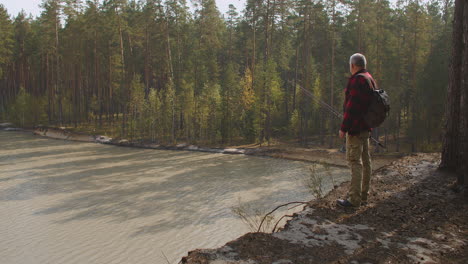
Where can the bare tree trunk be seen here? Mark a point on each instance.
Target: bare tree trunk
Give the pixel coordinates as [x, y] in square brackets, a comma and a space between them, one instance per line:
[464, 107]
[96, 73]
[57, 58]
[80, 95]
[296, 69]
[360, 23]
[305, 80]
[254, 25]
[147, 58]
[270, 14]
[398, 132]
[171, 78]
[375, 133]
[125, 90]
[332, 71]
[450, 151]
[267, 31]
[50, 93]
[110, 82]
[412, 112]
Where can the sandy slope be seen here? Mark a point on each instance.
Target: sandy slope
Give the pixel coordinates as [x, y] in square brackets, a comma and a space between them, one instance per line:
[413, 216]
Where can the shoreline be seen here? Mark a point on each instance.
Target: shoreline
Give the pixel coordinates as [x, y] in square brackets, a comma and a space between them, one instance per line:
[324, 156]
[413, 216]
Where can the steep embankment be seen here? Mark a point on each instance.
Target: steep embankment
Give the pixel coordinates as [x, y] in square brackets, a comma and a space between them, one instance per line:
[413, 216]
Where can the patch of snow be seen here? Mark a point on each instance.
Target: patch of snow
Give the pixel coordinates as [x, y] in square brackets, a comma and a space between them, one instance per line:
[225, 255]
[283, 261]
[233, 151]
[385, 243]
[228, 252]
[12, 129]
[4, 125]
[103, 139]
[218, 261]
[458, 242]
[192, 147]
[303, 230]
[210, 150]
[420, 249]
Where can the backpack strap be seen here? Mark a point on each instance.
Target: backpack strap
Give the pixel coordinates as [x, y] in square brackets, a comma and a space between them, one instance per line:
[370, 81]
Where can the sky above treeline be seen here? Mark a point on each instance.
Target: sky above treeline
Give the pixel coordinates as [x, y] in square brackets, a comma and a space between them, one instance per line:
[32, 6]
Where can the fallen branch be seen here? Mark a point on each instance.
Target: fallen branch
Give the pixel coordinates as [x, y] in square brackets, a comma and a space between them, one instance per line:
[272, 211]
[284, 217]
[274, 228]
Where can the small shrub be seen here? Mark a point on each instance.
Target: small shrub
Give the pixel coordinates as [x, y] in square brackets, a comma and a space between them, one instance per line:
[314, 182]
[253, 217]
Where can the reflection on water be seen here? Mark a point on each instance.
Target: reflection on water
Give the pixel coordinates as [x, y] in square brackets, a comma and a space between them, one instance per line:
[68, 202]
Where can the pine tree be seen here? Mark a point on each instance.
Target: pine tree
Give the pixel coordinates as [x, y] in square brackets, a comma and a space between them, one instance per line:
[455, 148]
[198, 70]
[6, 53]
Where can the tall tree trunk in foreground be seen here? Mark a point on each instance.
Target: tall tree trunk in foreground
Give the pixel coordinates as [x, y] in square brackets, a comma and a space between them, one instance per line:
[454, 152]
[464, 101]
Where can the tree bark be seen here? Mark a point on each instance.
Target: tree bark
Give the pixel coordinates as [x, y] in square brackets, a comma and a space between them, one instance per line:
[254, 24]
[296, 69]
[450, 151]
[57, 70]
[464, 105]
[332, 70]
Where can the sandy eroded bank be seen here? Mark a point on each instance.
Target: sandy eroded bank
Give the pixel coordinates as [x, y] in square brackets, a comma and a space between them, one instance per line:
[413, 216]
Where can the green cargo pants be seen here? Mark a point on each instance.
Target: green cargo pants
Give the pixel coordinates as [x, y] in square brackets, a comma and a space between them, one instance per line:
[358, 157]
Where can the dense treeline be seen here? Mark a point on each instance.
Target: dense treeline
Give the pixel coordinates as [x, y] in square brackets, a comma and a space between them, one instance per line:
[161, 71]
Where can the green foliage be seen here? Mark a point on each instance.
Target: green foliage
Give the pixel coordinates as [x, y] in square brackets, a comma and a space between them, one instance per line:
[6, 40]
[138, 109]
[154, 70]
[153, 108]
[314, 182]
[294, 123]
[26, 110]
[231, 98]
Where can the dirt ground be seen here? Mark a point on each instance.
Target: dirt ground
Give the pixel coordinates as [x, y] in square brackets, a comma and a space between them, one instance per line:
[413, 216]
[329, 156]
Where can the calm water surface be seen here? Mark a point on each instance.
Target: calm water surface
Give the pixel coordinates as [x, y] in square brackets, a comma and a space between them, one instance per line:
[69, 202]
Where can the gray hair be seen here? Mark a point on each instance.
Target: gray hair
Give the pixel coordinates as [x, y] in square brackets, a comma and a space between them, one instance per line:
[358, 59]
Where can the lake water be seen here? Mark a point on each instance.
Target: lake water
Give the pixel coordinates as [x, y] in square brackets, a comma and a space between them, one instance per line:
[70, 202]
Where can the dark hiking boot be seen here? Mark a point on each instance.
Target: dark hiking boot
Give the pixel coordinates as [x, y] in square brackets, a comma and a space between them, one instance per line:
[344, 203]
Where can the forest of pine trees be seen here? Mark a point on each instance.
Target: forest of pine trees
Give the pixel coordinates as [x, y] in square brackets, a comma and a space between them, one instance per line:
[168, 72]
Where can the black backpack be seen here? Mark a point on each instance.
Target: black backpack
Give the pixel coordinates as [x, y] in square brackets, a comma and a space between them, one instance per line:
[379, 107]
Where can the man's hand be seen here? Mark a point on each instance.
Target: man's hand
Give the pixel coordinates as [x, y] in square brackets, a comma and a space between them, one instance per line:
[342, 134]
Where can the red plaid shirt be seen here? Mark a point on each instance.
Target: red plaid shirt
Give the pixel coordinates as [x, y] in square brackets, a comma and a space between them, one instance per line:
[357, 100]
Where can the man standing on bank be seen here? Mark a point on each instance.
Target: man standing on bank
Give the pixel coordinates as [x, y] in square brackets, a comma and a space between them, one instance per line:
[357, 100]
